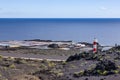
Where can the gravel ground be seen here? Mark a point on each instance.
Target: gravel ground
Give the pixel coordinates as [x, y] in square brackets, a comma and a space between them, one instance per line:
[13, 69]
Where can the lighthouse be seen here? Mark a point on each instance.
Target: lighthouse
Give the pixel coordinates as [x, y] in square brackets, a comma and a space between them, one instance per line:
[95, 45]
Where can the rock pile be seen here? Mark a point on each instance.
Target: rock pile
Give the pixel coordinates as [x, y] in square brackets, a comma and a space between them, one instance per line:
[114, 49]
[86, 56]
[103, 68]
[53, 46]
[106, 65]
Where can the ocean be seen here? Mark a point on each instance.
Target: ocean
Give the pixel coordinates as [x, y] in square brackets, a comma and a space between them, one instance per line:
[106, 30]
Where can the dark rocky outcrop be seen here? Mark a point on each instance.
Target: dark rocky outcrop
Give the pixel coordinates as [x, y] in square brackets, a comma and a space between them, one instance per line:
[84, 55]
[102, 68]
[53, 46]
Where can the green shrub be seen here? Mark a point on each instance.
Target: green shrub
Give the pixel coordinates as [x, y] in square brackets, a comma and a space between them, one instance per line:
[44, 67]
[12, 66]
[104, 73]
[64, 63]
[116, 71]
[20, 61]
[78, 74]
[10, 59]
[60, 74]
[1, 56]
[51, 64]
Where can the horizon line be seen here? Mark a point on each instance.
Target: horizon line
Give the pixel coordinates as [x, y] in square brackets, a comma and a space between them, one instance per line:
[59, 18]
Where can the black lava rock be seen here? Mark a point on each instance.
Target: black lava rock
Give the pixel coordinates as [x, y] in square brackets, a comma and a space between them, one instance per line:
[106, 65]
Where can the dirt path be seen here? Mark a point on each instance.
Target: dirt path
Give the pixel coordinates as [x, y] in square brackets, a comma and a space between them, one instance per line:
[34, 56]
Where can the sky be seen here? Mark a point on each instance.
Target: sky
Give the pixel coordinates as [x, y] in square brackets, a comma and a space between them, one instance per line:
[59, 9]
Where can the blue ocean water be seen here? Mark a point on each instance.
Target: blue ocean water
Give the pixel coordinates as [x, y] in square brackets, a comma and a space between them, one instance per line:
[107, 30]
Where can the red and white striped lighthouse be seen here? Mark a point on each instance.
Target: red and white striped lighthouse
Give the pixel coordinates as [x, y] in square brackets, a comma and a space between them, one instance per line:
[95, 45]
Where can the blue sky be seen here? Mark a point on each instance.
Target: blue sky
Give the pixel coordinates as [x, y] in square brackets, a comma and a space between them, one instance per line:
[59, 9]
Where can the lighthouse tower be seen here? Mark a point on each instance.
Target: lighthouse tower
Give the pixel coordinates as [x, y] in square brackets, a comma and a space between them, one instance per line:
[95, 42]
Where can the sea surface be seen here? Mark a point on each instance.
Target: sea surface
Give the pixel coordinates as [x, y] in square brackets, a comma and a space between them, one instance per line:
[106, 30]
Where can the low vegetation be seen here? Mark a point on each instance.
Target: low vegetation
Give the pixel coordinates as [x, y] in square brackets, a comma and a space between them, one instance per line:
[81, 66]
[102, 68]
